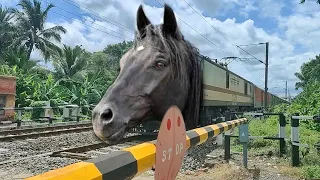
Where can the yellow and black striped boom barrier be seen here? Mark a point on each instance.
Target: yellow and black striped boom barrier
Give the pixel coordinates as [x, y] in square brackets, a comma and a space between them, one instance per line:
[130, 162]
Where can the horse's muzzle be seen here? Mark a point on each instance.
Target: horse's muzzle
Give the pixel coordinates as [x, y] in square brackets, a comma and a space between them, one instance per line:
[107, 124]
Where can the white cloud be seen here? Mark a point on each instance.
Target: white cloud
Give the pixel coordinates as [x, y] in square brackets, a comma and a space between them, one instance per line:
[302, 29]
[270, 8]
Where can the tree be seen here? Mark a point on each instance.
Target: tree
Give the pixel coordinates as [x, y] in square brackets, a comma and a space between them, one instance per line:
[303, 1]
[18, 56]
[6, 28]
[31, 32]
[310, 72]
[115, 52]
[70, 65]
[302, 82]
[100, 70]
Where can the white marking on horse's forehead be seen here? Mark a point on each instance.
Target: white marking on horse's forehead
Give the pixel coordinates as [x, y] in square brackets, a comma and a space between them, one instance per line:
[140, 48]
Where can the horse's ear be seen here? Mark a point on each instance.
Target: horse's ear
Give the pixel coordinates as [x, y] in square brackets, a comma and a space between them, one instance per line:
[170, 25]
[142, 20]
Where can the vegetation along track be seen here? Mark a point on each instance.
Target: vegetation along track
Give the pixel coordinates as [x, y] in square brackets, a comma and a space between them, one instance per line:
[10, 135]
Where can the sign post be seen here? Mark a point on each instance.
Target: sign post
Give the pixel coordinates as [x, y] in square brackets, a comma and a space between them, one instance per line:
[244, 139]
[171, 145]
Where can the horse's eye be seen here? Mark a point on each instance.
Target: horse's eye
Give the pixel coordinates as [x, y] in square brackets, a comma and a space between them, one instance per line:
[160, 64]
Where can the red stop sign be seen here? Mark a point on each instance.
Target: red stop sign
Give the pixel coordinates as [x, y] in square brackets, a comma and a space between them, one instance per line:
[171, 145]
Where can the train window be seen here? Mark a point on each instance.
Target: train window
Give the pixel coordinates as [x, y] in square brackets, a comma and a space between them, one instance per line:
[227, 80]
[245, 88]
[2, 104]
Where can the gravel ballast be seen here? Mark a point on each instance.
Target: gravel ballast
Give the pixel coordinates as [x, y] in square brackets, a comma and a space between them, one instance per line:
[30, 147]
[193, 160]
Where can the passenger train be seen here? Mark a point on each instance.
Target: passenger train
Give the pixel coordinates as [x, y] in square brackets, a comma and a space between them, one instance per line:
[224, 90]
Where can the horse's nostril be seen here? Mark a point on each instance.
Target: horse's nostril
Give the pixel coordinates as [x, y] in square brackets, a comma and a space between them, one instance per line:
[106, 115]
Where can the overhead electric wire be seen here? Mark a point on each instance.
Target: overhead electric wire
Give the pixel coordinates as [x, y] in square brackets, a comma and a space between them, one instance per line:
[92, 21]
[203, 36]
[220, 32]
[254, 68]
[100, 16]
[238, 46]
[250, 55]
[251, 44]
[121, 38]
[208, 22]
[196, 31]
[212, 25]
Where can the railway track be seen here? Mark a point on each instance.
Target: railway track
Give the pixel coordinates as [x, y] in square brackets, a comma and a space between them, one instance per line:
[87, 151]
[17, 134]
[59, 155]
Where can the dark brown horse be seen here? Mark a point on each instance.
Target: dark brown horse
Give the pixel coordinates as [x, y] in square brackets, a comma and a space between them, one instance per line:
[161, 70]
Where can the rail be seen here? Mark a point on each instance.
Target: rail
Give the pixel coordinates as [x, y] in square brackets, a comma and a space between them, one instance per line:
[131, 162]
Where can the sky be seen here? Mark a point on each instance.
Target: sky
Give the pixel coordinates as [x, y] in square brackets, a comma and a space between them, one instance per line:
[215, 27]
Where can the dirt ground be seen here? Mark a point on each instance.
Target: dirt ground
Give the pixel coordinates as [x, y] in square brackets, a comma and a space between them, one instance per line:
[259, 168]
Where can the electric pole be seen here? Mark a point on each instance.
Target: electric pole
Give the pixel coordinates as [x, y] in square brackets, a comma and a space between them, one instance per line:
[286, 90]
[266, 79]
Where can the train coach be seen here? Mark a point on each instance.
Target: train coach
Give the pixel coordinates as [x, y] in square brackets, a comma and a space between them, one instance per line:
[224, 90]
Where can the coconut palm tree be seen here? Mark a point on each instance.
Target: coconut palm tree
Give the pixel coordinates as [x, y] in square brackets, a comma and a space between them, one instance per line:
[18, 57]
[6, 28]
[31, 21]
[70, 65]
[302, 82]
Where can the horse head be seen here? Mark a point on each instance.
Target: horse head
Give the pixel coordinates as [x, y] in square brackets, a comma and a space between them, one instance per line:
[160, 70]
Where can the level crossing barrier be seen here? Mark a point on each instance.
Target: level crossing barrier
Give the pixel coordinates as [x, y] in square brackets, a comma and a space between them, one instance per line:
[131, 162]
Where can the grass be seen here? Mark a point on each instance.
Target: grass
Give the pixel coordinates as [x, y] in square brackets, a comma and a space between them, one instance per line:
[310, 159]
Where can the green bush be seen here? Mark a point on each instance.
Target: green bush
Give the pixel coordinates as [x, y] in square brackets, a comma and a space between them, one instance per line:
[311, 171]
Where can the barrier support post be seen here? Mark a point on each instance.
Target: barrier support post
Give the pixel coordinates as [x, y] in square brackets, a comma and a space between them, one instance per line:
[282, 134]
[295, 141]
[19, 119]
[227, 155]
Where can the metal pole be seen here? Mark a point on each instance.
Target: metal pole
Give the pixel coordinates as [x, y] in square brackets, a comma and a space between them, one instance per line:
[286, 90]
[295, 159]
[266, 79]
[282, 134]
[245, 154]
[227, 138]
[19, 119]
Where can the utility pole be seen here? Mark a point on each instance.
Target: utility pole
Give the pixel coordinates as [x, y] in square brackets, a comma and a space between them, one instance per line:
[289, 96]
[286, 90]
[266, 79]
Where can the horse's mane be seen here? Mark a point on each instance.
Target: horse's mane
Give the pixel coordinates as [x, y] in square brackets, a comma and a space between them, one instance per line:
[184, 58]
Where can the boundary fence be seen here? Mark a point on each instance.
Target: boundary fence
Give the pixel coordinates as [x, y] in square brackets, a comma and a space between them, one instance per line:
[281, 132]
[69, 113]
